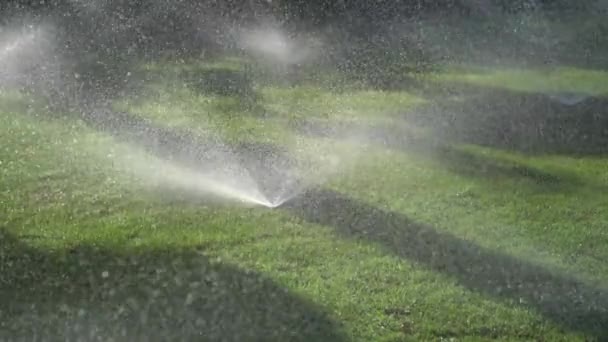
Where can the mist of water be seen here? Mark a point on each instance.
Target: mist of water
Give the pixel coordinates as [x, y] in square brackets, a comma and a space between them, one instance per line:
[277, 47]
[238, 186]
[259, 179]
[19, 51]
[223, 177]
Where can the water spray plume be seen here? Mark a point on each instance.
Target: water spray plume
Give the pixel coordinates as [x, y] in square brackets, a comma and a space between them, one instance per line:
[167, 174]
[222, 174]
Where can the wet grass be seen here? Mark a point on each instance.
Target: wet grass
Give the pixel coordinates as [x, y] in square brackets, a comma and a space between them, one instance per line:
[548, 80]
[428, 241]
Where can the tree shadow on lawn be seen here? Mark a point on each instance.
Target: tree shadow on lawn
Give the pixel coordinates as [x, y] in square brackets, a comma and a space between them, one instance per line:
[220, 81]
[234, 86]
[562, 299]
[91, 293]
[554, 123]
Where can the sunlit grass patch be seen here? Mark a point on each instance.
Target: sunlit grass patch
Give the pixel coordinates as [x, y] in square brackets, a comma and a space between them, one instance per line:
[561, 79]
[266, 112]
[311, 102]
[192, 65]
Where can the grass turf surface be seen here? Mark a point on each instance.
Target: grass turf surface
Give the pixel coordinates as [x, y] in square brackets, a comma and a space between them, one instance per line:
[423, 239]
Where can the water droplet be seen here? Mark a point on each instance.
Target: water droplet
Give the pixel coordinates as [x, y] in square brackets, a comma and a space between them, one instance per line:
[189, 299]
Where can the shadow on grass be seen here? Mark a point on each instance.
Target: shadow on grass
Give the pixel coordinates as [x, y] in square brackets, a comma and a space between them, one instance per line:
[474, 165]
[556, 123]
[90, 293]
[564, 300]
[235, 85]
[220, 81]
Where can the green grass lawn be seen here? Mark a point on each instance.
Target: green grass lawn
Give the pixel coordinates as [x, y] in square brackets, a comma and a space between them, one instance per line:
[430, 239]
[561, 79]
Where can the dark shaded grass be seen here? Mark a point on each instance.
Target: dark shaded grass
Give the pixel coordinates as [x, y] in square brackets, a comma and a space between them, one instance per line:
[93, 293]
[528, 123]
[562, 299]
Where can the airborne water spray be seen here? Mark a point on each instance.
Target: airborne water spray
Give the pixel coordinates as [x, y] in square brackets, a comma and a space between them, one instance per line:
[241, 189]
[24, 55]
[22, 62]
[261, 178]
